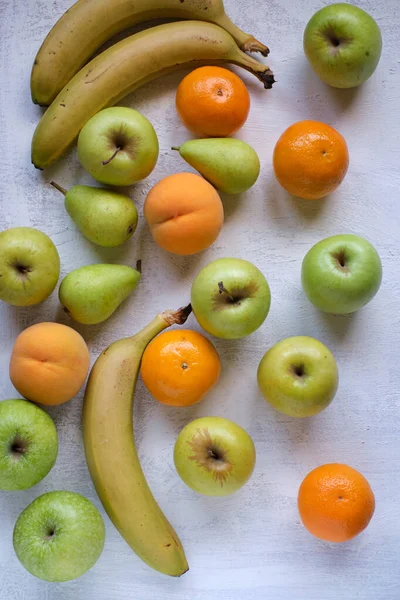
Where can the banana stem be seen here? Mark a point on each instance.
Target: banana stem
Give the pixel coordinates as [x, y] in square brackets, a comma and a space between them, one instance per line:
[161, 322]
[58, 187]
[177, 317]
[245, 41]
[261, 71]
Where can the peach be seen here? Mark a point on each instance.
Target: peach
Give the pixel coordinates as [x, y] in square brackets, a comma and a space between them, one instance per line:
[184, 213]
[49, 363]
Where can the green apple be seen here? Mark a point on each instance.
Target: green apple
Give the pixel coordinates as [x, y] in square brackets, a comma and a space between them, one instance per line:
[29, 266]
[214, 456]
[230, 298]
[298, 376]
[28, 444]
[59, 536]
[343, 44]
[341, 274]
[118, 146]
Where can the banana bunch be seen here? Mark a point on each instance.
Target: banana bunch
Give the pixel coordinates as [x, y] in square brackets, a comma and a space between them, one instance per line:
[88, 24]
[112, 456]
[128, 64]
[125, 67]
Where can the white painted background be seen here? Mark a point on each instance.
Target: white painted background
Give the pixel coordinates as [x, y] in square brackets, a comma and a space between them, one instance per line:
[252, 544]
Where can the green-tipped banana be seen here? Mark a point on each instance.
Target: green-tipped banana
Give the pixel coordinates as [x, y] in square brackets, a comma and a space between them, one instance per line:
[88, 24]
[112, 456]
[125, 67]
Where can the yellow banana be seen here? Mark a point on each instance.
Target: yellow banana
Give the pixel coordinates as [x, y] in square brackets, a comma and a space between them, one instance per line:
[90, 23]
[111, 453]
[125, 67]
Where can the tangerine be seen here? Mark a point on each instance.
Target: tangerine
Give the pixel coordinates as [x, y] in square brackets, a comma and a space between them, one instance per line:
[179, 367]
[335, 502]
[213, 102]
[310, 159]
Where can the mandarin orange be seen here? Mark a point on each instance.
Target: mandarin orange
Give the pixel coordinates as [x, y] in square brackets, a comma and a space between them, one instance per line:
[335, 502]
[179, 367]
[310, 159]
[213, 102]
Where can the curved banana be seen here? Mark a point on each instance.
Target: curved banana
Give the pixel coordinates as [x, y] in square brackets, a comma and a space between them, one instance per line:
[111, 453]
[125, 67]
[90, 23]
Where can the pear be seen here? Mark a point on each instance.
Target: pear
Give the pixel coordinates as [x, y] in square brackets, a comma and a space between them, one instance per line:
[232, 166]
[104, 217]
[91, 294]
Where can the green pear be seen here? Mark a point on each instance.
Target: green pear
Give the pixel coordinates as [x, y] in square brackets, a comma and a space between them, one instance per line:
[104, 217]
[91, 294]
[232, 166]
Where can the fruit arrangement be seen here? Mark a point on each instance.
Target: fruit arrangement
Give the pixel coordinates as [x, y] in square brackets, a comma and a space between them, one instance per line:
[61, 534]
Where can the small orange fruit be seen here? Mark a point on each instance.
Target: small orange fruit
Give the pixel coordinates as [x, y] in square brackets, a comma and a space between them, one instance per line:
[185, 213]
[49, 363]
[212, 102]
[311, 159]
[335, 502]
[179, 367]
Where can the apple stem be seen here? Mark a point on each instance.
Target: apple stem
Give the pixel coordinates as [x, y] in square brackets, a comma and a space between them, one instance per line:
[223, 290]
[58, 187]
[212, 454]
[107, 162]
[175, 148]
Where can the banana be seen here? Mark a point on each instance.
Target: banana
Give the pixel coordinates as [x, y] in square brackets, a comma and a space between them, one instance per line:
[90, 23]
[125, 67]
[112, 456]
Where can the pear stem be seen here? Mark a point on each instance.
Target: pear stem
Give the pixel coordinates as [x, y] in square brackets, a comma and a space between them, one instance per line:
[107, 162]
[58, 187]
[177, 148]
[223, 290]
[139, 266]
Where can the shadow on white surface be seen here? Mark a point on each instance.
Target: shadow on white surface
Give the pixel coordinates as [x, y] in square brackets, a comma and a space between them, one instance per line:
[280, 204]
[340, 326]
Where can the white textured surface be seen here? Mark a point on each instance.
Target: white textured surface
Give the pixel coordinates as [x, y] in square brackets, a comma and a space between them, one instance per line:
[252, 544]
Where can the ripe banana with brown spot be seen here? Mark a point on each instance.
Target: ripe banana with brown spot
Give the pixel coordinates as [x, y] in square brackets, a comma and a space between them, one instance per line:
[88, 24]
[128, 65]
[112, 456]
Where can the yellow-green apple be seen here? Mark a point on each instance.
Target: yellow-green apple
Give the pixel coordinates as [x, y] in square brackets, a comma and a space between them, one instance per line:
[29, 266]
[28, 444]
[59, 536]
[341, 274]
[298, 376]
[118, 146]
[214, 456]
[230, 298]
[343, 44]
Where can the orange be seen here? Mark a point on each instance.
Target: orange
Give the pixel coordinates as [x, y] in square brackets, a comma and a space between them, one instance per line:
[213, 102]
[311, 159]
[184, 213]
[335, 502]
[49, 363]
[179, 367]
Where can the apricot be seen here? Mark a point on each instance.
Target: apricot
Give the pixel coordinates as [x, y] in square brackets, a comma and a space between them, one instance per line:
[49, 363]
[184, 213]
